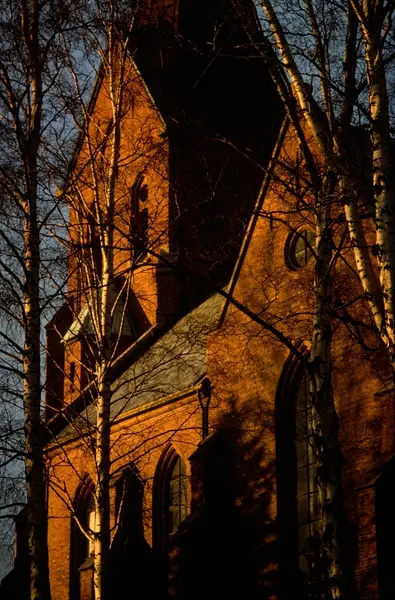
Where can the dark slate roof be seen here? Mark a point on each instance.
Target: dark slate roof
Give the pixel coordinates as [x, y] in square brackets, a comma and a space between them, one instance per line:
[171, 366]
[174, 363]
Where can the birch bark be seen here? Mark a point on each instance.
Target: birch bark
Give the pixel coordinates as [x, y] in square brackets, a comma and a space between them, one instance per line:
[34, 464]
[325, 419]
[372, 17]
[114, 62]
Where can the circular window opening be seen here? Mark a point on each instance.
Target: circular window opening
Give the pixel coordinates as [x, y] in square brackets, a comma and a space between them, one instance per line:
[299, 248]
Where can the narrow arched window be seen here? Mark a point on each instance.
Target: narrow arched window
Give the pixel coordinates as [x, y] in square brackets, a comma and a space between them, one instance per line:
[171, 505]
[129, 501]
[93, 256]
[306, 473]
[130, 552]
[296, 468]
[177, 495]
[132, 558]
[139, 218]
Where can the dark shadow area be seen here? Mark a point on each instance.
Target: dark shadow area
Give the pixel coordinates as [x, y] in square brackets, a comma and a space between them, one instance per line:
[81, 563]
[16, 584]
[222, 120]
[227, 547]
[134, 568]
[303, 564]
[385, 528]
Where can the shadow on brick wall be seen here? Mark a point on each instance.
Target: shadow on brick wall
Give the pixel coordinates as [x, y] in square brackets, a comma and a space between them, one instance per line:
[227, 547]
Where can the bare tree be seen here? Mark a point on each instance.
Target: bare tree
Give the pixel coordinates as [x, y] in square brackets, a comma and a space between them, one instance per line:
[110, 164]
[332, 69]
[326, 121]
[31, 125]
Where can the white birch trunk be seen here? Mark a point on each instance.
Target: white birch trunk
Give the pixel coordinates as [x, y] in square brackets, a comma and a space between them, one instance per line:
[326, 423]
[101, 575]
[383, 179]
[371, 17]
[325, 419]
[34, 464]
[114, 65]
[363, 259]
[103, 424]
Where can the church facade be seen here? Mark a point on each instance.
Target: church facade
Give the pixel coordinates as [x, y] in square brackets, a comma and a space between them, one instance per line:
[213, 470]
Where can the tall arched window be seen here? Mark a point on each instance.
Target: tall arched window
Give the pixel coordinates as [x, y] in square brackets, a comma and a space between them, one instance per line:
[139, 218]
[93, 257]
[131, 555]
[306, 473]
[177, 495]
[296, 467]
[129, 500]
[170, 497]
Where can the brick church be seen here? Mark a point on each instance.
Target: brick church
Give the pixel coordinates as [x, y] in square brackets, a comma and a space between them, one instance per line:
[212, 472]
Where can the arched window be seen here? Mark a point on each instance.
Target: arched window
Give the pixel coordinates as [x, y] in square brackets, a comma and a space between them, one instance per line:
[129, 505]
[296, 467]
[306, 473]
[177, 495]
[93, 257]
[170, 497]
[139, 218]
[130, 552]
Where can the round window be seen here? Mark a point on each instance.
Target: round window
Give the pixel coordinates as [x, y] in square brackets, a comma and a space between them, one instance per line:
[299, 248]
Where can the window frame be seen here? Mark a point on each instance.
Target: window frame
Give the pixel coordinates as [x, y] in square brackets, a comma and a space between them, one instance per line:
[290, 249]
[305, 471]
[292, 579]
[161, 498]
[177, 488]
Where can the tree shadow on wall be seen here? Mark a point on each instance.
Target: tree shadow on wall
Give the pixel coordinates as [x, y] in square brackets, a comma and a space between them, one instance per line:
[226, 548]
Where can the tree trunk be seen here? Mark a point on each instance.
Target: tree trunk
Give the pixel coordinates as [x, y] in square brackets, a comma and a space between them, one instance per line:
[34, 464]
[371, 17]
[325, 419]
[102, 493]
[383, 182]
[105, 349]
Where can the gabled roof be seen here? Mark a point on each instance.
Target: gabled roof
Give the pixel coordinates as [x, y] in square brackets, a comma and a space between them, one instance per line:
[121, 320]
[173, 364]
[91, 107]
[253, 219]
[170, 367]
[225, 90]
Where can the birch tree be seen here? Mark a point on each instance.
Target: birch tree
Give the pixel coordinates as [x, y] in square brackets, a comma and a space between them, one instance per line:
[329, 87]
[332, 67]
[100, 252]
[30, 124]
[358, 96]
